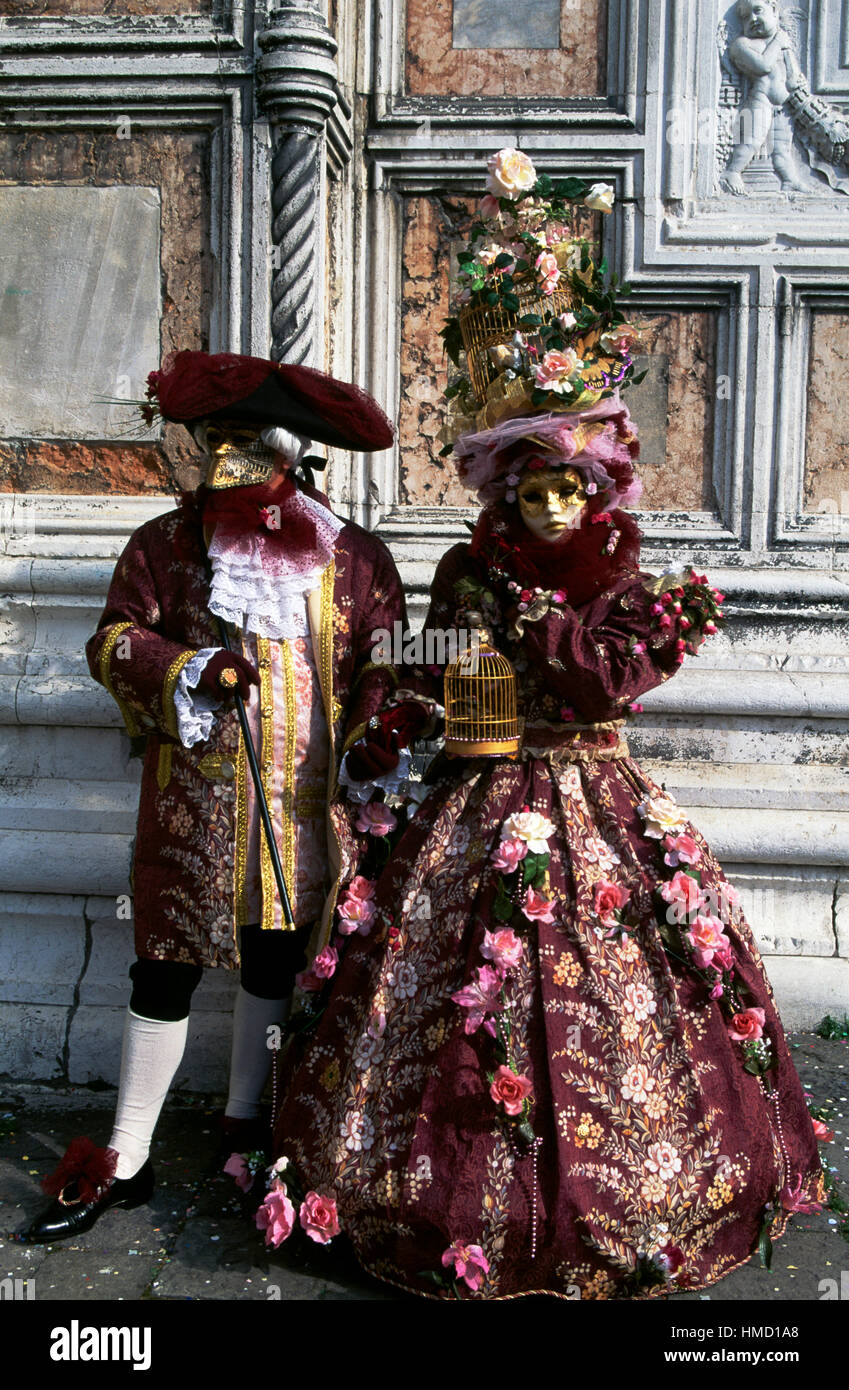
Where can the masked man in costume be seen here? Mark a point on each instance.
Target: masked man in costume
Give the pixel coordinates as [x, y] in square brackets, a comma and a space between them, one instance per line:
[303, 592]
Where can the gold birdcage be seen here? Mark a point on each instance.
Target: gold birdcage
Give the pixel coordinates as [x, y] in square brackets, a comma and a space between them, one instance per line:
[480, 703]
[486, 328]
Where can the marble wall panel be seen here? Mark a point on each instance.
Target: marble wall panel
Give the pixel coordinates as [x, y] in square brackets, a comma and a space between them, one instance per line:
[175, 163]
[79, 314]
[826, 478]
[110, 9]
[440, 65]
[684, 348]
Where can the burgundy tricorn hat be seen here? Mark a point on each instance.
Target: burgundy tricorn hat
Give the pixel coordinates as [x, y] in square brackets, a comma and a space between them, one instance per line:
[195, 386]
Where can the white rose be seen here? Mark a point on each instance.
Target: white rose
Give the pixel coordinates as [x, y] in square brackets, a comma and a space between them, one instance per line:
[600, 198]
[511, 173]
[661, 815]
[531, 827]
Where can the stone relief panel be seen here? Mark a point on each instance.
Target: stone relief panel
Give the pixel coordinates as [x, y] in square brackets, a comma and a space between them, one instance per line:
[826, 476]
[775, 133]
[176, 165]
[468, 48]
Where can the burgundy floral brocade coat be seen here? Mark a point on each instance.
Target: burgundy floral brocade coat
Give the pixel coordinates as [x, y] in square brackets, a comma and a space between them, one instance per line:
[190, 852]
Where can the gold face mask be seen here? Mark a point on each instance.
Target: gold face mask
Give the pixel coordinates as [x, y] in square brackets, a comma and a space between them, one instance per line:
[551, 501]
[238, 457]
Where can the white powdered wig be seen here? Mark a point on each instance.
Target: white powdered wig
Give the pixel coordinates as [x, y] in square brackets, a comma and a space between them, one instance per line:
[292, 446]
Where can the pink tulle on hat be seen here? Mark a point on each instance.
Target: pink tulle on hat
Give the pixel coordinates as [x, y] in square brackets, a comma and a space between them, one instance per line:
[604, 454]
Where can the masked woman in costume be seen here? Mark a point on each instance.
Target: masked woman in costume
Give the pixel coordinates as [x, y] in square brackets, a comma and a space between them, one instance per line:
[549, 1060]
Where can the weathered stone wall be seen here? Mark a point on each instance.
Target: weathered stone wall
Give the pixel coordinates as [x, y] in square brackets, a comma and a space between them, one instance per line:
[177, 165]
[482, 51]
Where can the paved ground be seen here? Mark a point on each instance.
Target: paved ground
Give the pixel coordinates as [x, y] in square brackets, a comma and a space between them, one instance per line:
[195, 1240]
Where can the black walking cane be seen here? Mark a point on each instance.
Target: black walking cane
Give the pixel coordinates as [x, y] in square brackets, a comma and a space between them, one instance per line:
[260, 794]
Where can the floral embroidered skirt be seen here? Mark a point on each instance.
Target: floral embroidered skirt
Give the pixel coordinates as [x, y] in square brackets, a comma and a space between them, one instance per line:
[525, 1079]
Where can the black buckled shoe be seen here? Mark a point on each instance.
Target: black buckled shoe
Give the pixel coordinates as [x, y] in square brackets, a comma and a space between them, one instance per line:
[69, 1215]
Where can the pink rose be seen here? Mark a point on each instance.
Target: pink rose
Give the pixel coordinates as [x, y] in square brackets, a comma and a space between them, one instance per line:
[276, 1216]
[308, 981]
[318, 1217]
[355, 914]
[607, 899]
[538, 908]
[552, 374]
[507, 856]
[482, 997]
[470, 1263]
[749, 1024]
[681, 849]
[684, 890]
[549, 271]
[510, 1090]
[503, 948]
[376, 819]
[723, 957]
[706, 938]
[325, 963]
[488, 206]
[362, 888]
[237, 1168]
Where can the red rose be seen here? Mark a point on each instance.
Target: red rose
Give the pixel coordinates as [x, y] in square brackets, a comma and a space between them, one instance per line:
[510, 1090]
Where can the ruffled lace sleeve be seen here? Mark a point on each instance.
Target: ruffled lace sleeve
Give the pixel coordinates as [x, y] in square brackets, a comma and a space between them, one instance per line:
[195, 709]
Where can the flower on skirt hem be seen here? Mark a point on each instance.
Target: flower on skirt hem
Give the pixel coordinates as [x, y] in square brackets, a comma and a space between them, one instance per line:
[470, 1263]
[319, 1218]
[276, 1216]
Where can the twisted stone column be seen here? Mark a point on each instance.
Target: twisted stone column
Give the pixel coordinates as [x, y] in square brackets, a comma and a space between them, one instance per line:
[296, 187]
[297, 86]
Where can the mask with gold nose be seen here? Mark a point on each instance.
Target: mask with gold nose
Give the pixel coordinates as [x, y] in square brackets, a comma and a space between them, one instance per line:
[238, 457]
[552, 501]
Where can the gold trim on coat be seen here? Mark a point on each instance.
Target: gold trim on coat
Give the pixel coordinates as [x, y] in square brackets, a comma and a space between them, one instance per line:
[288, 811]
[169, 685]
[163, 767]
[114, 632]
[265, 754]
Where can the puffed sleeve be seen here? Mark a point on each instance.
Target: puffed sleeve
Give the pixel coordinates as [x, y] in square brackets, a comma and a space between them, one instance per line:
[604, 655]
[127, 655]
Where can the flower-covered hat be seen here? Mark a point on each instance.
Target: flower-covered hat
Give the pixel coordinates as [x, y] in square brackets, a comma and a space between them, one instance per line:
[542, 346]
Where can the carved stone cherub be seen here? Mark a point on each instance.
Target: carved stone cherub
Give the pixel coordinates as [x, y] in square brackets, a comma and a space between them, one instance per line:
[764, 56]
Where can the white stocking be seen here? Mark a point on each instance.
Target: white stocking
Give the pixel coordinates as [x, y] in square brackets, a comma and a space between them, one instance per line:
[150, 1056]
[250, 1059]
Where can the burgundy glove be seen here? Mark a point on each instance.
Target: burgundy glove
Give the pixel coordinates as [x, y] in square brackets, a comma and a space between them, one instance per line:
[246, 675]
[377, 753]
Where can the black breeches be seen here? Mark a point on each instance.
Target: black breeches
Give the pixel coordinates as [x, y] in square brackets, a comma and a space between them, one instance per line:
[163, 989]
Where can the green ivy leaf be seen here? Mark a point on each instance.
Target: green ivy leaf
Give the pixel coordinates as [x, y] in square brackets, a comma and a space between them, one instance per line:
[510, 301]
[530, 321]
[502, 260]
[573, 189]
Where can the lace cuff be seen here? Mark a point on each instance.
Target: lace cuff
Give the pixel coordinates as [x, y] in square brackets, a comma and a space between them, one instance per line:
[392, 782]
[195, 710]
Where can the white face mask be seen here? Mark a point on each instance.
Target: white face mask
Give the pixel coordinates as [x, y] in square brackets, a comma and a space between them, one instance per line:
[551, 502]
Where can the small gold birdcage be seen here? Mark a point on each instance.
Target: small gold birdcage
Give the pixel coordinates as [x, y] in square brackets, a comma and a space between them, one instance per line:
[480, 703]
[484, 328]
